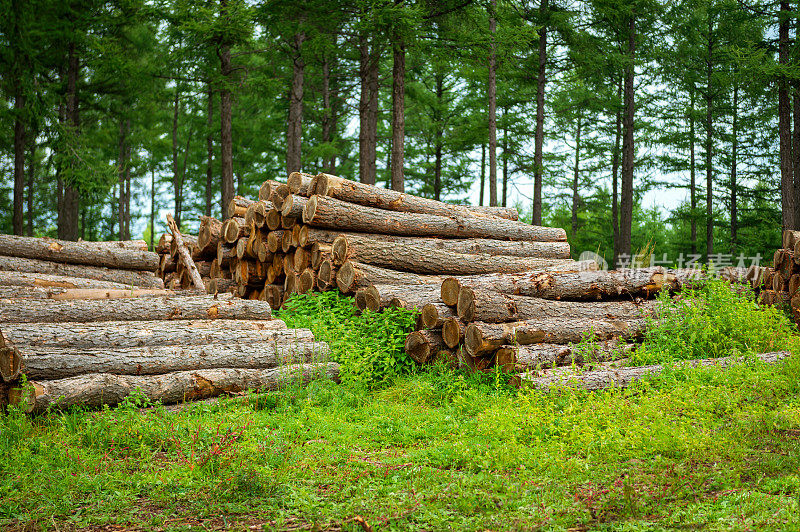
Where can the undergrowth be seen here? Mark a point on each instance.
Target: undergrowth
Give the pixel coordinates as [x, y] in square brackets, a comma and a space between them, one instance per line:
[368, 346]
[712, 319]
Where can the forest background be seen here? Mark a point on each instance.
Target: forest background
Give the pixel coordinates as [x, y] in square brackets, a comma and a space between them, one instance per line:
[670, 126]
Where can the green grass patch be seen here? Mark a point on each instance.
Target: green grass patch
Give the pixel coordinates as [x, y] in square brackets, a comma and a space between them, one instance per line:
[435, 450]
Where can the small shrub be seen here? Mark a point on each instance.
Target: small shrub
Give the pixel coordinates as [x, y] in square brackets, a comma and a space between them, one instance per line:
[370, 347]
[712, 319]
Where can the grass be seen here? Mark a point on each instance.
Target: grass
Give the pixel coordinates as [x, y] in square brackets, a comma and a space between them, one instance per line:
[438, 450]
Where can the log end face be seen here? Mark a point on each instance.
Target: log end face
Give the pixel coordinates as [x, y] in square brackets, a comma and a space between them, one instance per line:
[339, 249]
[345, 277]
[473, 340]
[430, 316]
[310, 210]
[320, 185]
[451, 332]
[10, 363]
[449, 291]
[288, 203]
[466, 304]
[417, 347]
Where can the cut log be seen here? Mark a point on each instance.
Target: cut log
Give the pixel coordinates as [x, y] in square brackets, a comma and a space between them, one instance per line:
[273, 219]
[517, 358]
[136, 309]
[266, 189]
[189, 240]
[183, 251]
[624, 377]
[208, 237]
[372, 196]
[790, 239]
[612, 284]
[69, 294]
[238, 206]
[144, 279]
[77, 253]
[234, 229]
[434, 314]
[220, 286]
[10, 364]
[326, 276]
[482, 338]
[286, 241]
[423, 346]
[98, 389]
[299, 183]
[274, 241]
[54, 281]
[780, 283]
[59, 363]
[321, 211]
[296, 230]
[306, 281]
[273, 294]
[132, 245]
[293, 206]
[794, 284]
[453, 330]
[481, 304]
[381, 295]
[319, 253]
[301, 259]
[509, 213]
[475, 246]
[419, 259]
[774, 298]
[353, 275]
[289, 222]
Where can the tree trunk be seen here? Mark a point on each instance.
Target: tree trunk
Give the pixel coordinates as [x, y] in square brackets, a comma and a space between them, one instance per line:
[209, 149]
[353, 275]
[615, 179]
[328, 118]
[294, 134]
[734, 155]
[438, 134]
[579, 285]
[575, 179]
[505, 158]
[77, 253]
[19, 159]
[177, 177]
[483, 304]
[70, 201]
[122, 334]
[99, 389]
[414, 258]
[144, 279]
[368, 110]
[709, 143]
[371, 196]
[135, 309]
[321, 211]
[398, 113]
[122, 166]
[482, 338]
[225, 115]
[788, 201]
[628, 151]
[692, 176]
[492, 96]
[31, 175]
[541, 80]
[483, 174]
[624, 377]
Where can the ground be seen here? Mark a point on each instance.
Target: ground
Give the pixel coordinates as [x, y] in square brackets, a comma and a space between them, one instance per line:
[432, 450]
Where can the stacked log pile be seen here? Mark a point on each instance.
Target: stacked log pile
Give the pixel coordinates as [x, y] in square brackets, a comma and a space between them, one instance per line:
[41, 268]
[170, 349]
[779, 285]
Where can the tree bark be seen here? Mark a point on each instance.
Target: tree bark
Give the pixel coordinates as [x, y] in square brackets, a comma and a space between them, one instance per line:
[575, 179]
[209, 149]
[398, 113]
[144, 279]
[13, 278]
[426, 260]
[98, 389]
[453, 330]
[368, 110]
[513, 248]
[294, 133]
[541, 80]
[372, 196]
[353, 275]
[434, 314]
[135, 309]
[624, 377]
[628, 150]
[615, 179]
[77, 253]
[116, 334]
[734, 155]
[185, 254]
[788, 200]
[482, 338]
[519, 358]
[299, 183]
[709, 96]
[579, 285]
[438, 136]
[225, 113]
[492, 96]
[378, 296]
[483, 174]
[692, 176]
[321, 211]
[482, 304]
[19, 159]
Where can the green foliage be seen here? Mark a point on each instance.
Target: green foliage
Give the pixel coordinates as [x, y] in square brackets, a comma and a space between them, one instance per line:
[713, 319]
[368, 346]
